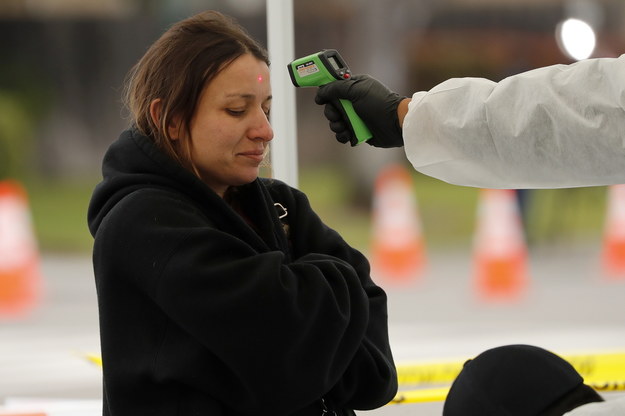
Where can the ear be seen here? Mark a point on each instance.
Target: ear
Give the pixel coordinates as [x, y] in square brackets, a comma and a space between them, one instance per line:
[173, 128]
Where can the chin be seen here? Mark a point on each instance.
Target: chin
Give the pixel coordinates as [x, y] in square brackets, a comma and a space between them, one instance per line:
[246, 179]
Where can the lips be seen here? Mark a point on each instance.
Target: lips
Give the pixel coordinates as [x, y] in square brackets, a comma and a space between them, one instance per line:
[257, 155]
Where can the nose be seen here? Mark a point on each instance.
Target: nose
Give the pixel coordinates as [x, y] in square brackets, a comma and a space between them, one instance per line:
[261, 129]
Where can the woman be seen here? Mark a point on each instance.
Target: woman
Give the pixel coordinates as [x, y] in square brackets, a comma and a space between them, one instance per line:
[221, 293]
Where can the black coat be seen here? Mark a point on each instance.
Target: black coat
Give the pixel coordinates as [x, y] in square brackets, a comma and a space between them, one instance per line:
[202, 313]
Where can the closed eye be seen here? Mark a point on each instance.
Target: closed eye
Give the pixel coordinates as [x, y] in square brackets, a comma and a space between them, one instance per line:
[235, 113]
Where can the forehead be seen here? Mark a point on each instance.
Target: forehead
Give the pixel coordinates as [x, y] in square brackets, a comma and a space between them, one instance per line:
[244, 74]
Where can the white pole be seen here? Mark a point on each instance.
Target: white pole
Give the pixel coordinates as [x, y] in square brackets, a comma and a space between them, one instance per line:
[280, 40]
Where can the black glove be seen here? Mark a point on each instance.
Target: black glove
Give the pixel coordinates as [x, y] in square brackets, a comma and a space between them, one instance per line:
[373, 102]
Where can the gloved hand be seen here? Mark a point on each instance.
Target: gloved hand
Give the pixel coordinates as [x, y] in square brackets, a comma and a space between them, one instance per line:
[373, 102]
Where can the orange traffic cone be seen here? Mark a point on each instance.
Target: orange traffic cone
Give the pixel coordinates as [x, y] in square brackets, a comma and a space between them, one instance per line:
[613, 253]
[500, 253]
[397, 251]
[19, 256]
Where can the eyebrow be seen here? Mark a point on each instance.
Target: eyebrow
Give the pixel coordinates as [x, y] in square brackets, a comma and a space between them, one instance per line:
[247, 96]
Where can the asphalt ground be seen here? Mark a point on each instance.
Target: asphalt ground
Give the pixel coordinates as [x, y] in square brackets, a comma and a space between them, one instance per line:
[568, 306]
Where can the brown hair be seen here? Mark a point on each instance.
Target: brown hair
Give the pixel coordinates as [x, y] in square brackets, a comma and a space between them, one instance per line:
[177, 67]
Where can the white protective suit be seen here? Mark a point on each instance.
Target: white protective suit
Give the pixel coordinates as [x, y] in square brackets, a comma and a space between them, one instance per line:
[552, 127]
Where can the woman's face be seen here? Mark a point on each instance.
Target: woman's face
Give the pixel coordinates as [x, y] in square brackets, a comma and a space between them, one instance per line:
[230, 129]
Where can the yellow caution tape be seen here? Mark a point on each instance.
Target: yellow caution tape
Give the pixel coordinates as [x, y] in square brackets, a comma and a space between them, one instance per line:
[601, 366]
[95, 359]
[431, 372]
[605, 366]
[604, 372]
[607, 386]
[438, 394]
[421, 395]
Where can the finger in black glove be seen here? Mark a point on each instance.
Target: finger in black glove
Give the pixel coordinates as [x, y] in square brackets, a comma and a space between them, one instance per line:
[373, 102]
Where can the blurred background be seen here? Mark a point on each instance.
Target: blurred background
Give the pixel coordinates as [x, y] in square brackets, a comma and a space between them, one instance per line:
[63, 64]
[62, 69]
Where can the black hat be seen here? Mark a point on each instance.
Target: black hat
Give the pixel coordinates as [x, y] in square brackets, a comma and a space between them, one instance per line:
[517, 380]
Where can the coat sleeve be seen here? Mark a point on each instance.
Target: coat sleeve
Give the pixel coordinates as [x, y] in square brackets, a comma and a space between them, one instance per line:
[370, 379]
[261, 334]
[552, 127]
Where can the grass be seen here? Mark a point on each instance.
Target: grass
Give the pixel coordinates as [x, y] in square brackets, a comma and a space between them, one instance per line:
[447, 212]
[59, 212]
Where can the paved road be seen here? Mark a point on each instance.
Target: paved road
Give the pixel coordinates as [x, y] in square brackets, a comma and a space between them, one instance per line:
[569, 307]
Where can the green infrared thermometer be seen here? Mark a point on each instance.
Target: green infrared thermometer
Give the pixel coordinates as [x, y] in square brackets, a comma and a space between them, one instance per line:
[322, 68]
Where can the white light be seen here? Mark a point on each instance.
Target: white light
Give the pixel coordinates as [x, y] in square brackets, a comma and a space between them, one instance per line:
[576, 38]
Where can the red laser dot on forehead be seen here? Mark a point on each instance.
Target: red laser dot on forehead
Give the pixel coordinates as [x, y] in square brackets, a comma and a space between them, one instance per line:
[260, 78]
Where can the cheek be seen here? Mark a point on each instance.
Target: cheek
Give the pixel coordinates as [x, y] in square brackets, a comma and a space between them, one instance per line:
[220, 138]
[211, 144]
[214, 135]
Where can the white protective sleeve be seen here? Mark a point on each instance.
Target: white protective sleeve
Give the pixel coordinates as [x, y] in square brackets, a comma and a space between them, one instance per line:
[552, 127]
